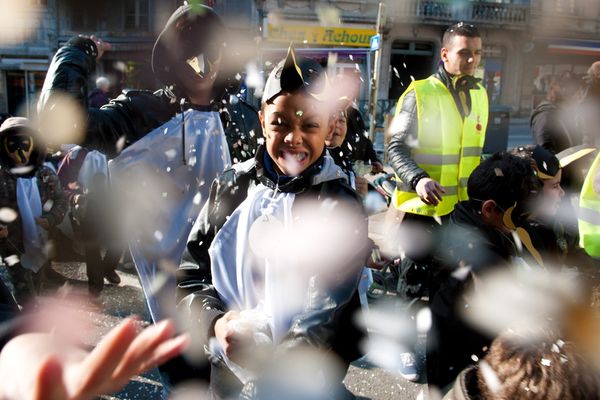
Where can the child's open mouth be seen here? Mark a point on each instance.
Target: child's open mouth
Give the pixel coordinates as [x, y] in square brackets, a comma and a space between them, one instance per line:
[294, 161]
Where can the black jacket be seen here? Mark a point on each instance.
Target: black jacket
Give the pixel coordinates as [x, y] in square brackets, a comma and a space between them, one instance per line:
[357, 146]
[406, 131]
[136, 112]
[466, 386]
[10, 318]
[466, 241]
[329, 327]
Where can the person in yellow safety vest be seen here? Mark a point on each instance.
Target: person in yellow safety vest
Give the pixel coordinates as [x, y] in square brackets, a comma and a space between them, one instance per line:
[589, 211]
[437, 137]
[439, 129]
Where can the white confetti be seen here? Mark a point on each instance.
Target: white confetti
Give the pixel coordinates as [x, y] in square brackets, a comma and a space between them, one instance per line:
[48, 205]
[8, 215]
[490, 377]
[423, 320]
[12, 260]
[120, 144]
[197, 198]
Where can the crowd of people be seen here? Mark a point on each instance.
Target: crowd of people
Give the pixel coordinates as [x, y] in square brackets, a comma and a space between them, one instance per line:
[249, 228]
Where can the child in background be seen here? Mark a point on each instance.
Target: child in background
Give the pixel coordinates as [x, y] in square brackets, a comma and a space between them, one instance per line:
[33, 203]
[253, 272]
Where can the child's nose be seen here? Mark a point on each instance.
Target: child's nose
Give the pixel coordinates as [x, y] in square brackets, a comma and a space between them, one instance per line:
[293, 138]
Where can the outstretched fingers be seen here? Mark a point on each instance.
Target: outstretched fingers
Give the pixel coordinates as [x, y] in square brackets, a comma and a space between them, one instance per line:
[141, 349]
[97, 368]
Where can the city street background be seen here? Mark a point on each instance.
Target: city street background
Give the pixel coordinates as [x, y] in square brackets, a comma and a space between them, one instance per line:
[364, 379]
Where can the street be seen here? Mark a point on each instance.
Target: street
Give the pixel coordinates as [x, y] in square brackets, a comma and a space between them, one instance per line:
[364, 379]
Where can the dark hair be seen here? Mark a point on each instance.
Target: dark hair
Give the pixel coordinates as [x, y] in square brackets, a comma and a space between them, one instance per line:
[504, 178]
[542, 368]
[459, 29]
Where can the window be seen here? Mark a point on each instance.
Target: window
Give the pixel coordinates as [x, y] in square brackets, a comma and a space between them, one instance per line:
[136, 14]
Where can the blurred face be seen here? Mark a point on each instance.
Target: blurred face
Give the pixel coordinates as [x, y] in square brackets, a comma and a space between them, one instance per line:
[462, 56]
[553, 193]
[295, 127]
[340, 128]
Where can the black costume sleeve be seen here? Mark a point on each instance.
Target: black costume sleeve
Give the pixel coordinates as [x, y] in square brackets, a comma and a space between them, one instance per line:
[129, 116]
[399, 153]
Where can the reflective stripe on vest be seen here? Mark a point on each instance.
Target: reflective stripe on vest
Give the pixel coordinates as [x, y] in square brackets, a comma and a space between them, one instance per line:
[449, 146]
[589, 211]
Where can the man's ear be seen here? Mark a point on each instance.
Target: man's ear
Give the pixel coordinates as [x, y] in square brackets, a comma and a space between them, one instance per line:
[488, 209]
[444, 54]
[261, 118]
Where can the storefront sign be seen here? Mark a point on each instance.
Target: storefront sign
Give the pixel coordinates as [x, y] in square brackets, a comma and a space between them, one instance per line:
[350, 37]
[375, 42]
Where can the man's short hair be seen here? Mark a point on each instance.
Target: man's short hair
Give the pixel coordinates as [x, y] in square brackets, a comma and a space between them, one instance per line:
[546, 368]
[504, 178]
[459, 29]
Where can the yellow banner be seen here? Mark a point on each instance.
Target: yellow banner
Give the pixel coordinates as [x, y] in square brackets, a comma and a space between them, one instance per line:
[350, 37]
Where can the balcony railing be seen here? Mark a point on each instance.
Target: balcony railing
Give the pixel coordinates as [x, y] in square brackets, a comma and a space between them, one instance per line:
[511, 15]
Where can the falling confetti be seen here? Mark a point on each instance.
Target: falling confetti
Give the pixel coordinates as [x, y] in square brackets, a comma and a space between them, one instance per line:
[197, 198]
[48, 205]
[7, 215]
[328, 16]
[490, 377]
[545, 362]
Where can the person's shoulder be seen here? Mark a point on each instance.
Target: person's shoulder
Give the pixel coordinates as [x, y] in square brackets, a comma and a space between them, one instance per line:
[232, 175]
[334, 183]
[245, 106]
[159, 104]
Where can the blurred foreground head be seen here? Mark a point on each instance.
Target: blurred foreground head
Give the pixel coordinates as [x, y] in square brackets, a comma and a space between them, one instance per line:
[549, 368]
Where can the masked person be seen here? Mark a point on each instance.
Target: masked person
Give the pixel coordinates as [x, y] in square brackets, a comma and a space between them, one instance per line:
[32, 194]
[189, 57]
[177, 137]
[547, 221]
[256, 269]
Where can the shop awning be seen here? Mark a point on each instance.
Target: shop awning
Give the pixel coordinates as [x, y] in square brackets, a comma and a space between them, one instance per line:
[573, 46]
[29, 64]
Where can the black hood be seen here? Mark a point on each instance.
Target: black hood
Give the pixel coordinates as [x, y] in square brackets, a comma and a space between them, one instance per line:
[187, 33]
[22, 125]
[544, 106]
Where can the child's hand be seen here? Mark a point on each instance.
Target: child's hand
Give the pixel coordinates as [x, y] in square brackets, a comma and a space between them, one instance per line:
[43, 222]
[376, 167]
[234, 341]
[101, 45]
[3, 231]
[40, 366]
[362, 186]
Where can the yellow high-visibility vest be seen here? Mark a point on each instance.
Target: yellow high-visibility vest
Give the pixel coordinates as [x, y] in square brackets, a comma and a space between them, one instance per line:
[589, 211]
[449, 147]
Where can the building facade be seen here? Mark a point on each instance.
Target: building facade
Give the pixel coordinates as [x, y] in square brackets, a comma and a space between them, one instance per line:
[524, 41]
[130, 26]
